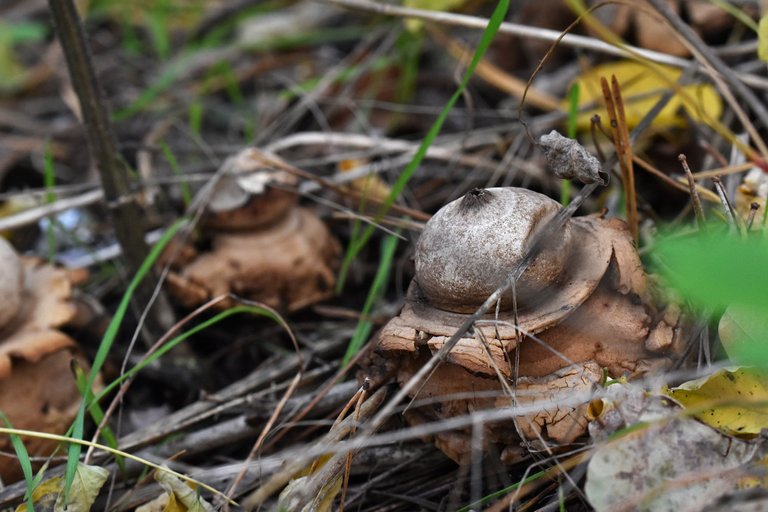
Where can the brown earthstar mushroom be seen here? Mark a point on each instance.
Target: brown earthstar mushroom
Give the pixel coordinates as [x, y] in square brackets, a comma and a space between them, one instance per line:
[37, 388]
[583, 306]
[264, 247]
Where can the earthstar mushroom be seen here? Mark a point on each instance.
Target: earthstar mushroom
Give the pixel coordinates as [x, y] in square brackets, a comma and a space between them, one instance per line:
[37, 388]
[583, 305]
[264, 247]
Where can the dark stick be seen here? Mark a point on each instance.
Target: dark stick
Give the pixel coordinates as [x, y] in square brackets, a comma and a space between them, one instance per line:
[120, 199]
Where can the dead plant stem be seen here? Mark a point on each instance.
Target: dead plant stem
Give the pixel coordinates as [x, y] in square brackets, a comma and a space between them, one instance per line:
[120, 199]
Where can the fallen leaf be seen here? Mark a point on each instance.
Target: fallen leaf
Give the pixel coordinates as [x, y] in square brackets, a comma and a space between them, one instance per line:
[734, 401]
[49, 495]
[181, 497]
[641, 88]
[369, 186]
[35, 359]
[664, 461]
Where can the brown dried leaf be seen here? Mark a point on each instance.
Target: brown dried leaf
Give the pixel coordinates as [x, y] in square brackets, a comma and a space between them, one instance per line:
[45, 306]
[50, 402]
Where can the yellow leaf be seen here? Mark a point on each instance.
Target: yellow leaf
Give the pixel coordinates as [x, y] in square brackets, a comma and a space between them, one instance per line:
[183, 497]
[370, 186]
[762, 38]
[641, 88]
[49, 495]
[732, 400]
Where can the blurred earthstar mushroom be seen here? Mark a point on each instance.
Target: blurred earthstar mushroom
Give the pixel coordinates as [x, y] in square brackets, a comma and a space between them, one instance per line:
[583, 305]
[37, 388]
[11, 282]
[264, 248]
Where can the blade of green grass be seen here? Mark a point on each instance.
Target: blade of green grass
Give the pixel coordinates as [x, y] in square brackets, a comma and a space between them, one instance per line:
[573, 115]
[195, 116]
[94, 409]
[78, 426]
[357, 244]
[186, 195]
[364, 325]
[253, 310]
[49, 182]
[409, 46]
[24, 32]
[24, 462]
[157, 23]
[501, 492]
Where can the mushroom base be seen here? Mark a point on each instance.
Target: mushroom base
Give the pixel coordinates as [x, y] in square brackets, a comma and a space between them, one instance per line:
[287, 266]
[536, 414]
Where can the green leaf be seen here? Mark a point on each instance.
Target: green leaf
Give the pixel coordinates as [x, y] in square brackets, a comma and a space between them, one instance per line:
[716, 269]
[744, 335]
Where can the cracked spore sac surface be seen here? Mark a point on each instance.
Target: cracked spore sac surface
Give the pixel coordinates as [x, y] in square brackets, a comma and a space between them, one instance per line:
[498, 225]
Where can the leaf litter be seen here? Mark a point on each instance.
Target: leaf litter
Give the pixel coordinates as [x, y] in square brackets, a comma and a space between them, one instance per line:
[479, 389]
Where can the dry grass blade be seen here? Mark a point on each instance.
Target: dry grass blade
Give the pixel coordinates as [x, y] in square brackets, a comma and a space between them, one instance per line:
[681, 184]
[697, 208]
[337, 434]
[620, 136]
[496, 76]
